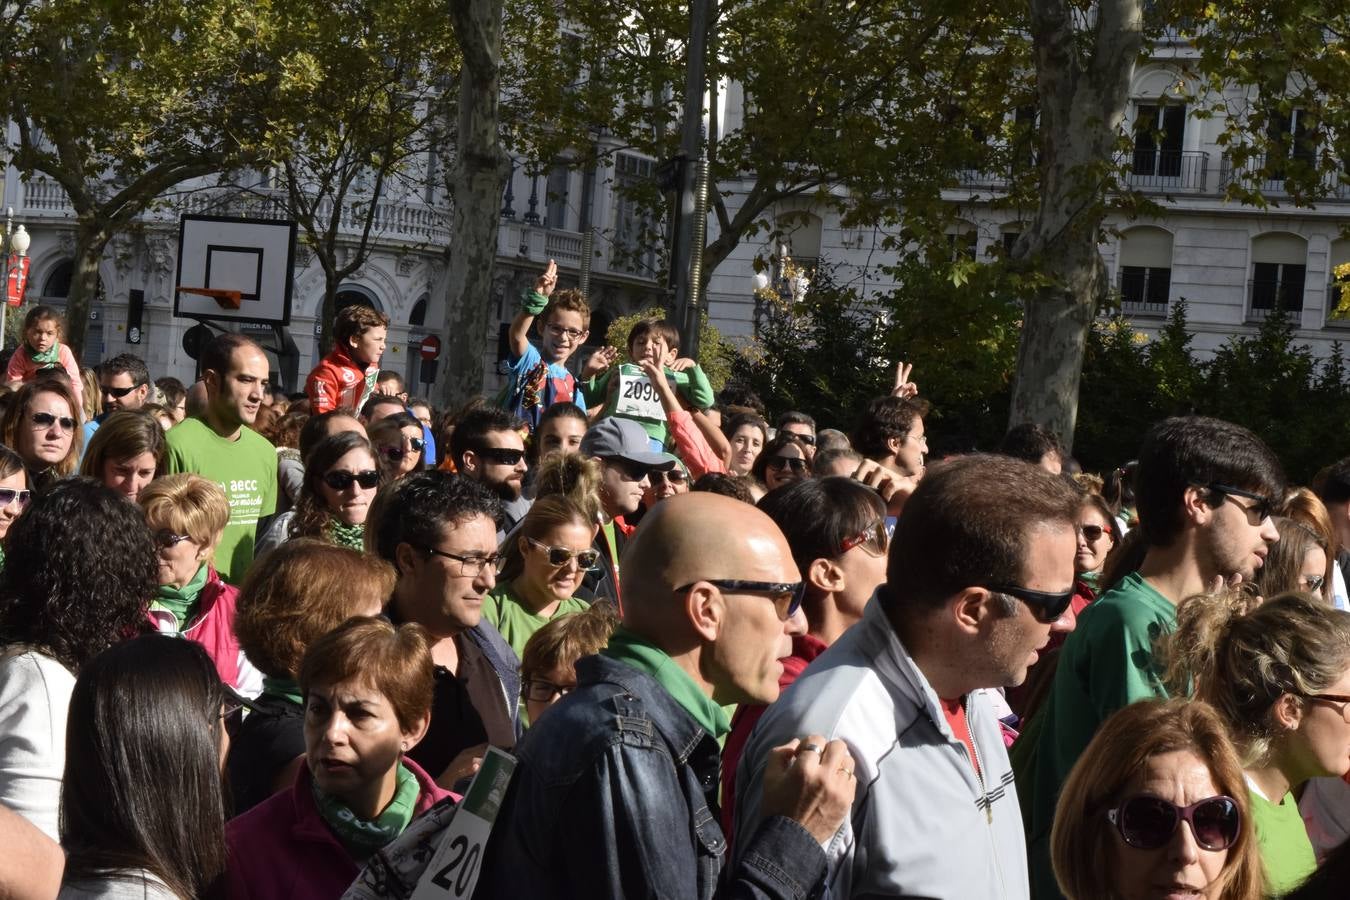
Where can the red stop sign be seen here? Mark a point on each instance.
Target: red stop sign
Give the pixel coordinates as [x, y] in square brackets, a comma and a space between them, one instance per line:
[431, 347]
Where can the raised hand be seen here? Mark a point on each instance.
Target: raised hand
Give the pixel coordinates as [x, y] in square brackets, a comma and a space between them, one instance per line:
[598, 362]
[904, 388]
[546, 282]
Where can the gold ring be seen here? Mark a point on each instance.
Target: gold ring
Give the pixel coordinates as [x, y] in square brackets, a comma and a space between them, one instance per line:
[846, 771]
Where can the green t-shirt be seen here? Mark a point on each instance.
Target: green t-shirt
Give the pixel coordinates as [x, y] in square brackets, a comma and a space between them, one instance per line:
[1286, 852]
[1107, 663]
[502, 607]
[691, 384]
[246, 469]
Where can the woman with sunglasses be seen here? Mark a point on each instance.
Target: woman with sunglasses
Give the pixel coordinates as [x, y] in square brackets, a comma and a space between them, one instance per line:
[14, 493]
[142, 812]
[782, 461]
[663, 483]
[126, 452]
[398, 444]
[836, 530]
[187, 514]
[42, 425]
[551, 554]
[341, 478]
[1296, 562]
[1279, 675]
[1156, 807]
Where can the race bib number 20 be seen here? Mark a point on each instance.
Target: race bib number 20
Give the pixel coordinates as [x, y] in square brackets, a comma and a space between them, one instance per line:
[637, 397]
[453, 871]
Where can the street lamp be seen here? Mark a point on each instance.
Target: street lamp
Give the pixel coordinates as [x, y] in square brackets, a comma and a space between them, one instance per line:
[17, 242]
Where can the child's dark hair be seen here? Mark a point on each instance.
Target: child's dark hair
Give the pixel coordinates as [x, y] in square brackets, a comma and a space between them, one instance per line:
[45, 314]
[646, 326]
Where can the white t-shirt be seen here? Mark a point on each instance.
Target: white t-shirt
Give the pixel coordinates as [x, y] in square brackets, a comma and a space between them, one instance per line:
[34, 699]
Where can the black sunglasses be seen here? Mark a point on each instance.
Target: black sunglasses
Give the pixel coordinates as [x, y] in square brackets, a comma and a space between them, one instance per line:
[415, 445]
[807, 439]
[340, 480]
[544, 691]
[794, 463]
[47, 420]
[1147, 823]
[164, 538]
[1045, 607]
[674, 476]
[793, 591]
[1264, 506]
[119, 393]
[9, 495]
[1091, 532]
[504, 456]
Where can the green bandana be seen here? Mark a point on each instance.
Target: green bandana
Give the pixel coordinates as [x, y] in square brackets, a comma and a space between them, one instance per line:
[1091, 579]
[638, 652]
[46, 360]
[352, 536]
[285, 688]
[362, 837]
[181, 601]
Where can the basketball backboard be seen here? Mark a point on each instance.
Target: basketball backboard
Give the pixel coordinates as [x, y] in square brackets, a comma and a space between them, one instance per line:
[235, 269]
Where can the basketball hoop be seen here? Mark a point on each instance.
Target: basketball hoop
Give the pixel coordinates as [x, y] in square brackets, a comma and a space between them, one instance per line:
[226, 299]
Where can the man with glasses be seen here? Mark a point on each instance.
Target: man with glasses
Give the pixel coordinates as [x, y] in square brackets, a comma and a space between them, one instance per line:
[626, 461]
[615, 794]
[124, 383]
[802, 429]
[663, 484]
[980, 565]
[439, 531]
[488, 446]
[1204, 490]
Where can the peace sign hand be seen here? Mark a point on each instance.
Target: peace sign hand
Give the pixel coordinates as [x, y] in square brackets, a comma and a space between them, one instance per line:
[904, 388]
[546, 282]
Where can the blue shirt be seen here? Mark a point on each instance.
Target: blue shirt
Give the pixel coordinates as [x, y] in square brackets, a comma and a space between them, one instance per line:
[535, 386]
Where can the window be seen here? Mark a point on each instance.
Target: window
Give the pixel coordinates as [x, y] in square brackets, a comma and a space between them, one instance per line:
[1293, 137]
[635, 234]
[1158, 135]
[1145, 274]
[1278, 285]
[555, 211]
[1145, 284]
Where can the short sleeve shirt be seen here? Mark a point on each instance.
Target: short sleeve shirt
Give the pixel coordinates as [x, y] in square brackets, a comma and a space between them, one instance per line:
[535, 386]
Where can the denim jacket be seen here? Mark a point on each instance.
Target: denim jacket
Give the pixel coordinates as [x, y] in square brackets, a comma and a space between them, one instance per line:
[615, 797]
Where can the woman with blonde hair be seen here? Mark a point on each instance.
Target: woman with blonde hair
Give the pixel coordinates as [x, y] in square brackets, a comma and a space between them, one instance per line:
[1279, 675]
[1298, 561]
[126, 453]
[42, 425]
[1305, 507]
[1156, 807]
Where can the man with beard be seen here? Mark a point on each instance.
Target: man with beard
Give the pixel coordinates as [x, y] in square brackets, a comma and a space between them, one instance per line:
[1204, 490]
[219, 444]
[488, 446]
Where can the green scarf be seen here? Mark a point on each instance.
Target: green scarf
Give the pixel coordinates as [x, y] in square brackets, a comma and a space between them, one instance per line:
[641, 654]
[285, 688]
[46, 360]
[181, 601]
[352, 536]
[1091, 579]
[362, 838]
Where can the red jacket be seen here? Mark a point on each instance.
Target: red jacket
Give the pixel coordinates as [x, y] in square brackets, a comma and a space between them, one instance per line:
[282, 850]
[338, 381]
[213, 628]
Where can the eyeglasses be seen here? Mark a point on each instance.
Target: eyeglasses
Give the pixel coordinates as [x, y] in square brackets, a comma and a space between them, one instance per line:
[340, 479]
[470, 566]
[674, 476]
[629, 471]
[787, 595]
[561, 556]
[1333, 700]
[1045, 607]
[415, 445]
[1148, 823]
[502, 456]
[119, 393]
[1313, 582]
[1091, 533]
[1263, 508]
[164, 539]
[47, 420]
[545, 691]
[9, 495]
[874, 536]
[570, 333]
[794, 463]
[807, 439]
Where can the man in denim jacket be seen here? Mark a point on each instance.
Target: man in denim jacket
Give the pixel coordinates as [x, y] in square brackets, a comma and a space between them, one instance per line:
[615, 794]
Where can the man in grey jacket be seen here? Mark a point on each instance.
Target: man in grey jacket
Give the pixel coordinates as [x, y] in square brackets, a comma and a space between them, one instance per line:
[980, 566]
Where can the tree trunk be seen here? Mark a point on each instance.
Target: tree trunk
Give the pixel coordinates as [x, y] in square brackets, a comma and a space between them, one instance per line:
[1082, 104]
[328, 310]
[89, 247]
[481, 169]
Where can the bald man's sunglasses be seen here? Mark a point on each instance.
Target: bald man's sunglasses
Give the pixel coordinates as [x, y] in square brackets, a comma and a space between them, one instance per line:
[786, 595]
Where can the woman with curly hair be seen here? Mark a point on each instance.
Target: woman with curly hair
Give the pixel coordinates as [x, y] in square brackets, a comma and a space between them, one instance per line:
[68, 599]
[42, 425]
[341, 478]
[126, 453]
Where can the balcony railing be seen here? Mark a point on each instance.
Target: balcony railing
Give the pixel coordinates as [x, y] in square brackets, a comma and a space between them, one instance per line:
[1265, 297]
[1167, 170]
[1144, 296]
[1250, 176]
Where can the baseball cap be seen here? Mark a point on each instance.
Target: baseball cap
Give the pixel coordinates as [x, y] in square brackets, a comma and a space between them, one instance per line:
[613, 437]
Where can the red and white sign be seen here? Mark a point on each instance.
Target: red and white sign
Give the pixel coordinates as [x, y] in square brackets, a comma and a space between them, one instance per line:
[431, 347]
[17, 270]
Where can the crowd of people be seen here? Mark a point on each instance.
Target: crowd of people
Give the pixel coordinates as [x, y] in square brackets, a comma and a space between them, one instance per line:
[258, 645]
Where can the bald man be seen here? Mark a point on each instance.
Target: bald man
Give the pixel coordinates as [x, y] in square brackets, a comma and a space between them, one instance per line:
[616, 792]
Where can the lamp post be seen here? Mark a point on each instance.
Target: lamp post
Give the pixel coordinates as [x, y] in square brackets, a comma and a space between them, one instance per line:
[17, 242]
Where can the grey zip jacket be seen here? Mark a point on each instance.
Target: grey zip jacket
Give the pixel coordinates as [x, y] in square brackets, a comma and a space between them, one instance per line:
[924, 824]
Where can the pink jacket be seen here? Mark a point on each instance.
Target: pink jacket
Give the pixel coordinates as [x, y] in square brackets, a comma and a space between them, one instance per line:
[282, 850]
[692, 447]
[214, 628]
[22, 368]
